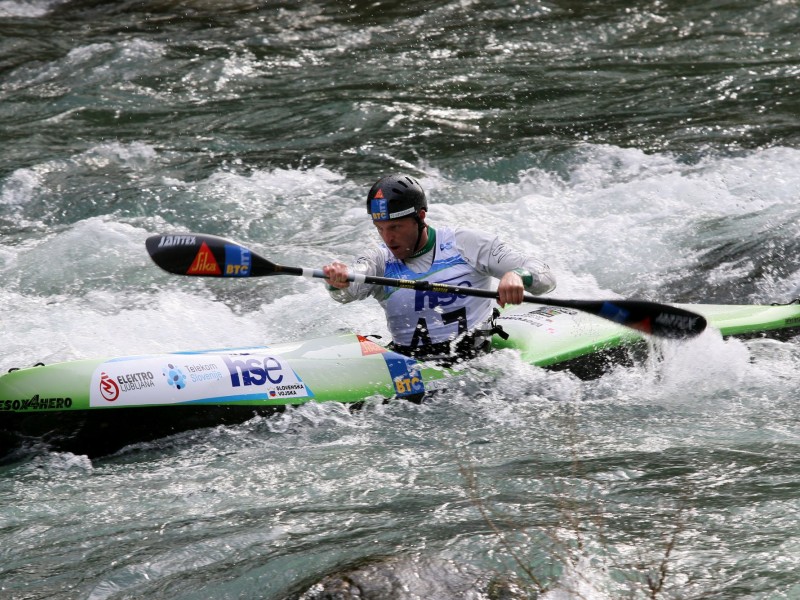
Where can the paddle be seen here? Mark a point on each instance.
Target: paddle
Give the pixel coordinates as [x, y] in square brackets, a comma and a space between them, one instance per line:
[200, 255]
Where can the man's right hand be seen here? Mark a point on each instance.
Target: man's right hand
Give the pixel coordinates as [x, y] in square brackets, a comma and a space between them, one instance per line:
[336, 275]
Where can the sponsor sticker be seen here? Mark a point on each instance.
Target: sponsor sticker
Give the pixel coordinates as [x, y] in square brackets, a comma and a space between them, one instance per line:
[237, 261]
[405, 373]
[379, 209]
[177, 240]
[194, 378]
[539, 316]
[109, 389]
[369, 347]
[204, 263]
[35, 403]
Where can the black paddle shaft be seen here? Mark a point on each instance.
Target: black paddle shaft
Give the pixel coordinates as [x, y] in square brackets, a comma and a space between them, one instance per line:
[200, 255]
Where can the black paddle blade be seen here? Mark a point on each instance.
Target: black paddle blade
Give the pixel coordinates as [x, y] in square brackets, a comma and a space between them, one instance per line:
[649, 317]
[200, 255]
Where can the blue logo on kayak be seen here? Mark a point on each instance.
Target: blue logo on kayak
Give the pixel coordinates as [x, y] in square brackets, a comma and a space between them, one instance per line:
[254, 371]
[175, 376]
[405, 373]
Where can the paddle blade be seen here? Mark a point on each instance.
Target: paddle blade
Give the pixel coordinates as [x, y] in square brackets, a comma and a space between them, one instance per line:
[661, 320]
[200, 255]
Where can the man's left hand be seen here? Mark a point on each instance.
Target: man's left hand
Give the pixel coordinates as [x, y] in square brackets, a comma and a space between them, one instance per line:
[510, 290]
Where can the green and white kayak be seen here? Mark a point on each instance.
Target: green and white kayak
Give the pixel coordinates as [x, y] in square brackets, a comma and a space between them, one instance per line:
[344, 368]
[95, 406]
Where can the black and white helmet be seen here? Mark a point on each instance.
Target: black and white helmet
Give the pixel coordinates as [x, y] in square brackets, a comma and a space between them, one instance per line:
[395, 197]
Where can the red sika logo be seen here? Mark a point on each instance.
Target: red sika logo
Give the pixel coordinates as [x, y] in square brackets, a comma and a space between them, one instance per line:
[108, 388]
[369, 347]
[204, 263]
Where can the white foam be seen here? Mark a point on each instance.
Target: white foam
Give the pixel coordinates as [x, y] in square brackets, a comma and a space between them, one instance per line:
[27, 9]
[622, 216]
[25, 184]
[20, 187]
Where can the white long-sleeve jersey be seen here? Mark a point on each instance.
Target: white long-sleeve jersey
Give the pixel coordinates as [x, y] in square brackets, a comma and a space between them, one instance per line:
[463, 257]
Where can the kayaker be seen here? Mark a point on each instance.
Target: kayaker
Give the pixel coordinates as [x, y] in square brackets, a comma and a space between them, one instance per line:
[427, 324]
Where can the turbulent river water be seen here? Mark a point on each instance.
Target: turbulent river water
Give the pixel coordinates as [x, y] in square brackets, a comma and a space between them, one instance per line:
[644, 149]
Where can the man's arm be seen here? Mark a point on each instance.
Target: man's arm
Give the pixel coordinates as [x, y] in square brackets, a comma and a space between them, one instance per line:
[517, 271]
[341, 290]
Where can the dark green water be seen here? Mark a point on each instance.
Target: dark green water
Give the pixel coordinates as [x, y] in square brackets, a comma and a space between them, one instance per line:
[646, 149]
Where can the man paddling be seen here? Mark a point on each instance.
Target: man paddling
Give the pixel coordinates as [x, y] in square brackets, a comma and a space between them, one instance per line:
[427, 324]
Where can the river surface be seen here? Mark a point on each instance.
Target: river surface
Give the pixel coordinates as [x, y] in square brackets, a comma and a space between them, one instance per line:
[646, 149]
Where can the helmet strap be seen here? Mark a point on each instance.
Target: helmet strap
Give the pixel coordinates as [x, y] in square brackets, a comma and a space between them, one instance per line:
[420, 228]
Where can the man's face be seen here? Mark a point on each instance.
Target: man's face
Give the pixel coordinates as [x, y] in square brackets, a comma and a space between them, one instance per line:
[399, 235]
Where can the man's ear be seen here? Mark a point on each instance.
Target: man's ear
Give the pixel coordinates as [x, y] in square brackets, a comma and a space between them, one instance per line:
[421, 214]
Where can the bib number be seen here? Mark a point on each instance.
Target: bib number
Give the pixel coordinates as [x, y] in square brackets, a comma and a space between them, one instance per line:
[423, 338]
